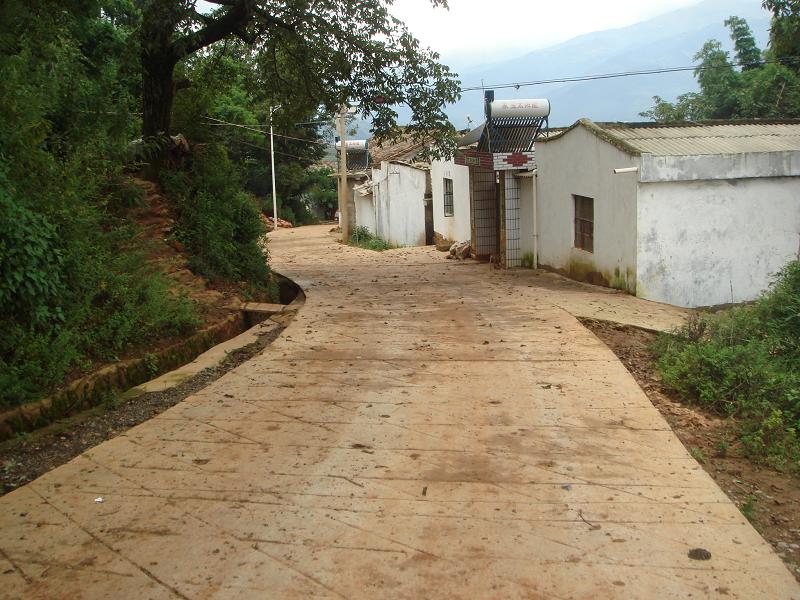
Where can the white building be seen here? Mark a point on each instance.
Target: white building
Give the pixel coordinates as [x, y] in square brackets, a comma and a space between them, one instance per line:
[694, 215]
[485, 194]
[451, 210]
[395, 203]
[400, 201]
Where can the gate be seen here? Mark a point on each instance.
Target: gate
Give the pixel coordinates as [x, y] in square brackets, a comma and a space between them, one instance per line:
[512, 233]
[484, 212]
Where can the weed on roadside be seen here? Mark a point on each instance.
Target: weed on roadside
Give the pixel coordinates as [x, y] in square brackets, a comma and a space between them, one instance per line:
[363, 238]
[748, 509]
[697, 454]
[744, 363]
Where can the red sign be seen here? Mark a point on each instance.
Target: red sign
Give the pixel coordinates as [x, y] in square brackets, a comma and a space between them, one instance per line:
[517, 159]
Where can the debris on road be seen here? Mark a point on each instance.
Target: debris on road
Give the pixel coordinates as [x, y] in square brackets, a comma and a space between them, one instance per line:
[460, 251]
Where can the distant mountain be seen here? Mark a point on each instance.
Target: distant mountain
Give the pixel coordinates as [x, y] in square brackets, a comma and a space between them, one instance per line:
[669, 40]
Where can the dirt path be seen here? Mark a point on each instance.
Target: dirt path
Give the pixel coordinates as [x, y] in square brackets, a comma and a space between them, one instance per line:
[419, 430]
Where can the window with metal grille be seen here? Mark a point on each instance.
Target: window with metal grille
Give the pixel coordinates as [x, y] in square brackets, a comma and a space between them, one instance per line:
[448, 197]
[584, 223]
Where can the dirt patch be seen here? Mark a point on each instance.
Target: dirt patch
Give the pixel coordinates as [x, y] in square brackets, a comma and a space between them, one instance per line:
[769, 499]
[28, 456]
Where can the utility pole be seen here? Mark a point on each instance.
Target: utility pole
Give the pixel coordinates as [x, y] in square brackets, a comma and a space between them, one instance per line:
[344, 212]
[272, 158]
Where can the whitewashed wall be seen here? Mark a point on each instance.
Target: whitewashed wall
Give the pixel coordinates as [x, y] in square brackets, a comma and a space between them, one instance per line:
[456, 228]
[365, 211]
[527, 226]
[581, 163]
[399, 197]
[704, 243]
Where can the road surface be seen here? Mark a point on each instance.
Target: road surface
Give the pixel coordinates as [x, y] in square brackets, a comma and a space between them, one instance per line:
[423, 429]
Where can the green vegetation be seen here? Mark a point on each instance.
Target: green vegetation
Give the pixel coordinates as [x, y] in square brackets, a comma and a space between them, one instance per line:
[91, 88]
[745, 363]
[748, 509]
[362, 238]
[765, 84]
[527, 260]
[74, 286]
[217, 222]
[697, 454]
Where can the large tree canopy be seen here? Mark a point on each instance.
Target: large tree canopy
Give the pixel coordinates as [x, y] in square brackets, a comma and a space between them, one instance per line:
[327, 51]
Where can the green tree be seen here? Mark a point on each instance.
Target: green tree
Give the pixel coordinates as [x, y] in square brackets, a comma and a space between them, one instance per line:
[747, 53]
[74, 285]
[688, 107]
[784, 33]
[758, 90]
[719, 81]
[330, 51]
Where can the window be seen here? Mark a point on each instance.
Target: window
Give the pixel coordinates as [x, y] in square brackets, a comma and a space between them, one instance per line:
[584, 223]
[448, 197]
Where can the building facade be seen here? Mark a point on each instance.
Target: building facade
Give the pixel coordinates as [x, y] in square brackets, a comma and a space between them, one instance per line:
[692, 216]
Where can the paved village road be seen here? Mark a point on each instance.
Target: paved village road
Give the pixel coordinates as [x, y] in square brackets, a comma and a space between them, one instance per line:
[419, 431]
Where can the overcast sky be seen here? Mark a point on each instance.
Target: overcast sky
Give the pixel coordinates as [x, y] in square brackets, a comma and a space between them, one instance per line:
[476, 31]
[484, 30]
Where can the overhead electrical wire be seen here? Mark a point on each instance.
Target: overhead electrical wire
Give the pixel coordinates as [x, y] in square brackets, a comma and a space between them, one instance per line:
[519, 84]
[251, 128]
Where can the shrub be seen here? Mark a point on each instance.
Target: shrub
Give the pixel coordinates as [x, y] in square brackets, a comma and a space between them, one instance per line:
[745, 363]
[220, 225]
[363, 238]
[73, 288]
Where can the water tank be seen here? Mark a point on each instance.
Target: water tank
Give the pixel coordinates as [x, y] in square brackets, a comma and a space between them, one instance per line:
[353, 145]
[537, 108]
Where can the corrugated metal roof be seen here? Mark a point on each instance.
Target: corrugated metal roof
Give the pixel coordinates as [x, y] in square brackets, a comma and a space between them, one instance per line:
[708, 138]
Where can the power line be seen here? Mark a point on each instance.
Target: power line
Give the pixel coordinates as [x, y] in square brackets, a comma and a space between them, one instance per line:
[519, 84]
[251, 128]
[265, 149]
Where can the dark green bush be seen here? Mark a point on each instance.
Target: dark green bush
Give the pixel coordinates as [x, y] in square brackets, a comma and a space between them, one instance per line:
[220, 225]
[73, 286]
[745, 363]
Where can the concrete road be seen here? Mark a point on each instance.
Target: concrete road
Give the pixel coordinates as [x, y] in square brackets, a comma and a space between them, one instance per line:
[419, 431]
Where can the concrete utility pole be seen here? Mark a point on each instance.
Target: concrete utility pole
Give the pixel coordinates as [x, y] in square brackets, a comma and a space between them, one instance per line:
[272, 158]
[344, 212]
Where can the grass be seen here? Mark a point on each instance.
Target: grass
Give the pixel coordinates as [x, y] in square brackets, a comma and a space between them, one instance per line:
[698, 455]
[744, 363]
[748, 509]
[363, 238]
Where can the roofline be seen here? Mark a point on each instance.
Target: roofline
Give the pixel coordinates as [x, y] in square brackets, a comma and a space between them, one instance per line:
[599, 130]
[701, 123]
[403, 163]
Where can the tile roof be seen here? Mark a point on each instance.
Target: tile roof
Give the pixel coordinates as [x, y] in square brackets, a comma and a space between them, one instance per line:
[700, 138]
[404, 149]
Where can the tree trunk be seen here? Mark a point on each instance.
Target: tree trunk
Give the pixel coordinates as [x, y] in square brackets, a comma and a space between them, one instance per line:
[158, 92]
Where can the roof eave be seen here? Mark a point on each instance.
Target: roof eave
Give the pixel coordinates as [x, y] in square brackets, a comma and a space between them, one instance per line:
[599, 132]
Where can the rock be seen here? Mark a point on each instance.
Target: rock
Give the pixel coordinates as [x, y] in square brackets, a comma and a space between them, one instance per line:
[699, 554]
[461, 250]
[441, 242]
